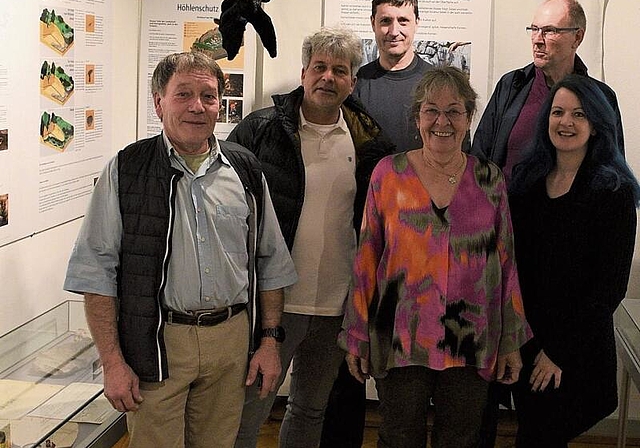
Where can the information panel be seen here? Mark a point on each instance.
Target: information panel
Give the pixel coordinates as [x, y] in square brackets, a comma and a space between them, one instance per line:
[55, 108]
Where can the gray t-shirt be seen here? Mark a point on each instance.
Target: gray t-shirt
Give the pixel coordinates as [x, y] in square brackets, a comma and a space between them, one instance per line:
[387, 96]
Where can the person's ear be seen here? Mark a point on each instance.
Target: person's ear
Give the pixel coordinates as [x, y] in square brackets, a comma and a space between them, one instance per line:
[156, 103]
[579, 37]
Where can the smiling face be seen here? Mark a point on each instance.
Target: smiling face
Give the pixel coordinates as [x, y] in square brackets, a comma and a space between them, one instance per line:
[188, 109]
[327, 82]
[395, 28]
[555, 54]
[443, 135]
[569, 128]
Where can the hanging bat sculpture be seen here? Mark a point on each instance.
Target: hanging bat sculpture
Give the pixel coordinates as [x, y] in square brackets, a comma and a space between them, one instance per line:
[233, 21]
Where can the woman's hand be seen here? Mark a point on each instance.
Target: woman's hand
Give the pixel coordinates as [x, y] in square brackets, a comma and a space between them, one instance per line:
[358, 367]
[543, 372]
[509, 367]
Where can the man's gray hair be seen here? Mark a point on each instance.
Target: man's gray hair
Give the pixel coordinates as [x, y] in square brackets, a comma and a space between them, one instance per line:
[577, 15]
[575, 12]
[336, 43]
[184, 63]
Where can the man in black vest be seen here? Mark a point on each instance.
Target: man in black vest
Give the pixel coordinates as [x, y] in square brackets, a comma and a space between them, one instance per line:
[179, 236]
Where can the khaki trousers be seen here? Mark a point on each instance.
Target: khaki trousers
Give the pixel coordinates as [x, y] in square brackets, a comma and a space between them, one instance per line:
[200, 404]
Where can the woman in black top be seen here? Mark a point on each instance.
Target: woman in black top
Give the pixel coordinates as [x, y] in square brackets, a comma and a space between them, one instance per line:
[574, 217]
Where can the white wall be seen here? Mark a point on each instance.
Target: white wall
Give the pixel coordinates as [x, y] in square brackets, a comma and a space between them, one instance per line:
[293, 21]
[621, 68]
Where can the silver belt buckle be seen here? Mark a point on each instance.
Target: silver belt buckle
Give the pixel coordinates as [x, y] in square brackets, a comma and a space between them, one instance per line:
[199, 315]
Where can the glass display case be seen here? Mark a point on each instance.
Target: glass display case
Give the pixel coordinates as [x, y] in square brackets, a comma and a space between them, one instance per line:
[51, 385]
[627, 332]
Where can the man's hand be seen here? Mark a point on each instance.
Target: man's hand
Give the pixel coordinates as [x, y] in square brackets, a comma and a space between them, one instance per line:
[121, 387]
[265, 364]
[358, 367]
[121, 384]
[543, 372]
[509, 367]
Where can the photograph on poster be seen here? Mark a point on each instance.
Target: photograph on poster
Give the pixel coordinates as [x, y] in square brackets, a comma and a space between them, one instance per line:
[89, 119]
[55, 131]
[89, 74]
[55, 84]
[4, 139]
[4, 209]
[90, 23]
[233, 84]
[222, 115]
[457, 54]
[209, 42]
[55, 31]
[206, 37]
[235, 111]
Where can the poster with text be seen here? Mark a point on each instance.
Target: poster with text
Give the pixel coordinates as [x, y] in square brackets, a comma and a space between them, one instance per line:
[171, 27]
[55, 104]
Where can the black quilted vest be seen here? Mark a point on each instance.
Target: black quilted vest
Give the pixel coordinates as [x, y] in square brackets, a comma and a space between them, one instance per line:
[147, 188]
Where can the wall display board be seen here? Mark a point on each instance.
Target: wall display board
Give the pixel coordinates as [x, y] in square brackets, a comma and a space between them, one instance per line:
[55, 108]
[454, 32]
[170, 27]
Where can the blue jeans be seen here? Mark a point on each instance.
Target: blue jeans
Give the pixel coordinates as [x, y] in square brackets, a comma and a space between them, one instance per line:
[311, 346]
[459, 395]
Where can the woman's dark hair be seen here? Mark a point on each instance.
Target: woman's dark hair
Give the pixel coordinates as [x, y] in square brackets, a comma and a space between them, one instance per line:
[603, 153]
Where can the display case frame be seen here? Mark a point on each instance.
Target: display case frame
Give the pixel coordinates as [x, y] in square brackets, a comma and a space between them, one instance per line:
[627, 334]
[51, 384]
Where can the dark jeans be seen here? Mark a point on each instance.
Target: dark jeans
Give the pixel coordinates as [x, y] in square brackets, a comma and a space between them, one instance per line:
[498, 394]
[459, 396]
[345, 414]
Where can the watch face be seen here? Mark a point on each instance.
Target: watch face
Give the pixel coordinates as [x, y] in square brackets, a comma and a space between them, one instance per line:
[274, 332]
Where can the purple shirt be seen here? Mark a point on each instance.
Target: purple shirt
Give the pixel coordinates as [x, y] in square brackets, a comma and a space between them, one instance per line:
[519, 145]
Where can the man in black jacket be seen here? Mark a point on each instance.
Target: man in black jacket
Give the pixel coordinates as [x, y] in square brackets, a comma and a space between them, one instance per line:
[179, 237]
[318, 147]
[509, 120]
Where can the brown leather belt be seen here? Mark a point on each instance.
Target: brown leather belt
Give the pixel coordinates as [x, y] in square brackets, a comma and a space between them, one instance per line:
[205, 318]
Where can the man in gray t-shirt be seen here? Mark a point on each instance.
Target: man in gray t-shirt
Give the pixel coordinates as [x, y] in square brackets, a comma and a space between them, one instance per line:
[385, 85]
[385, 88]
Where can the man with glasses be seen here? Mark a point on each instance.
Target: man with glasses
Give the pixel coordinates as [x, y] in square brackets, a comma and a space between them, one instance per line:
[507, 126]
[508, 123]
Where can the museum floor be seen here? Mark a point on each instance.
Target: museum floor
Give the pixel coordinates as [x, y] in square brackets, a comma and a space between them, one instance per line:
[506, 432]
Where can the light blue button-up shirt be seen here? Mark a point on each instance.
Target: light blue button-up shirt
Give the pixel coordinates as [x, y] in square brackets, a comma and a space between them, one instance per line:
[208, 265]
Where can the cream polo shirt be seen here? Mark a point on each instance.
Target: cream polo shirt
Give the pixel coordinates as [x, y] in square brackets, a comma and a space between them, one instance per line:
[325, 242]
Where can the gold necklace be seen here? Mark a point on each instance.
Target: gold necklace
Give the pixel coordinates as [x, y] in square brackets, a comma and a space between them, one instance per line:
[450, 177]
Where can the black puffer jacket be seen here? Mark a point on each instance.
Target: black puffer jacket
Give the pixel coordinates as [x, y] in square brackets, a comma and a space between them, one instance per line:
[272, 135]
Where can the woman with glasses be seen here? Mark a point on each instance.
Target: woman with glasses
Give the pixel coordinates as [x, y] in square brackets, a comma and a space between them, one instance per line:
[574, 216]
[436, 311]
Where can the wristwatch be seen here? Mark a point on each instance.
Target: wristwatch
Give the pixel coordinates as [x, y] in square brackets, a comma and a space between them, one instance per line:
[274, 332]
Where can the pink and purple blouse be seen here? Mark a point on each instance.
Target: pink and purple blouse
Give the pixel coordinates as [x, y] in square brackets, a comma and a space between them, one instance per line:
[435, 287]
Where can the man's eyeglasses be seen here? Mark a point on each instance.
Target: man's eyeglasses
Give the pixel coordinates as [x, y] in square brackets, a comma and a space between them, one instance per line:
[452, 115]
[550, 32]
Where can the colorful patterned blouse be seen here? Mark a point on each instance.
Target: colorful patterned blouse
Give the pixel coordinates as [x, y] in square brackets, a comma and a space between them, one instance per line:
[435, 287]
